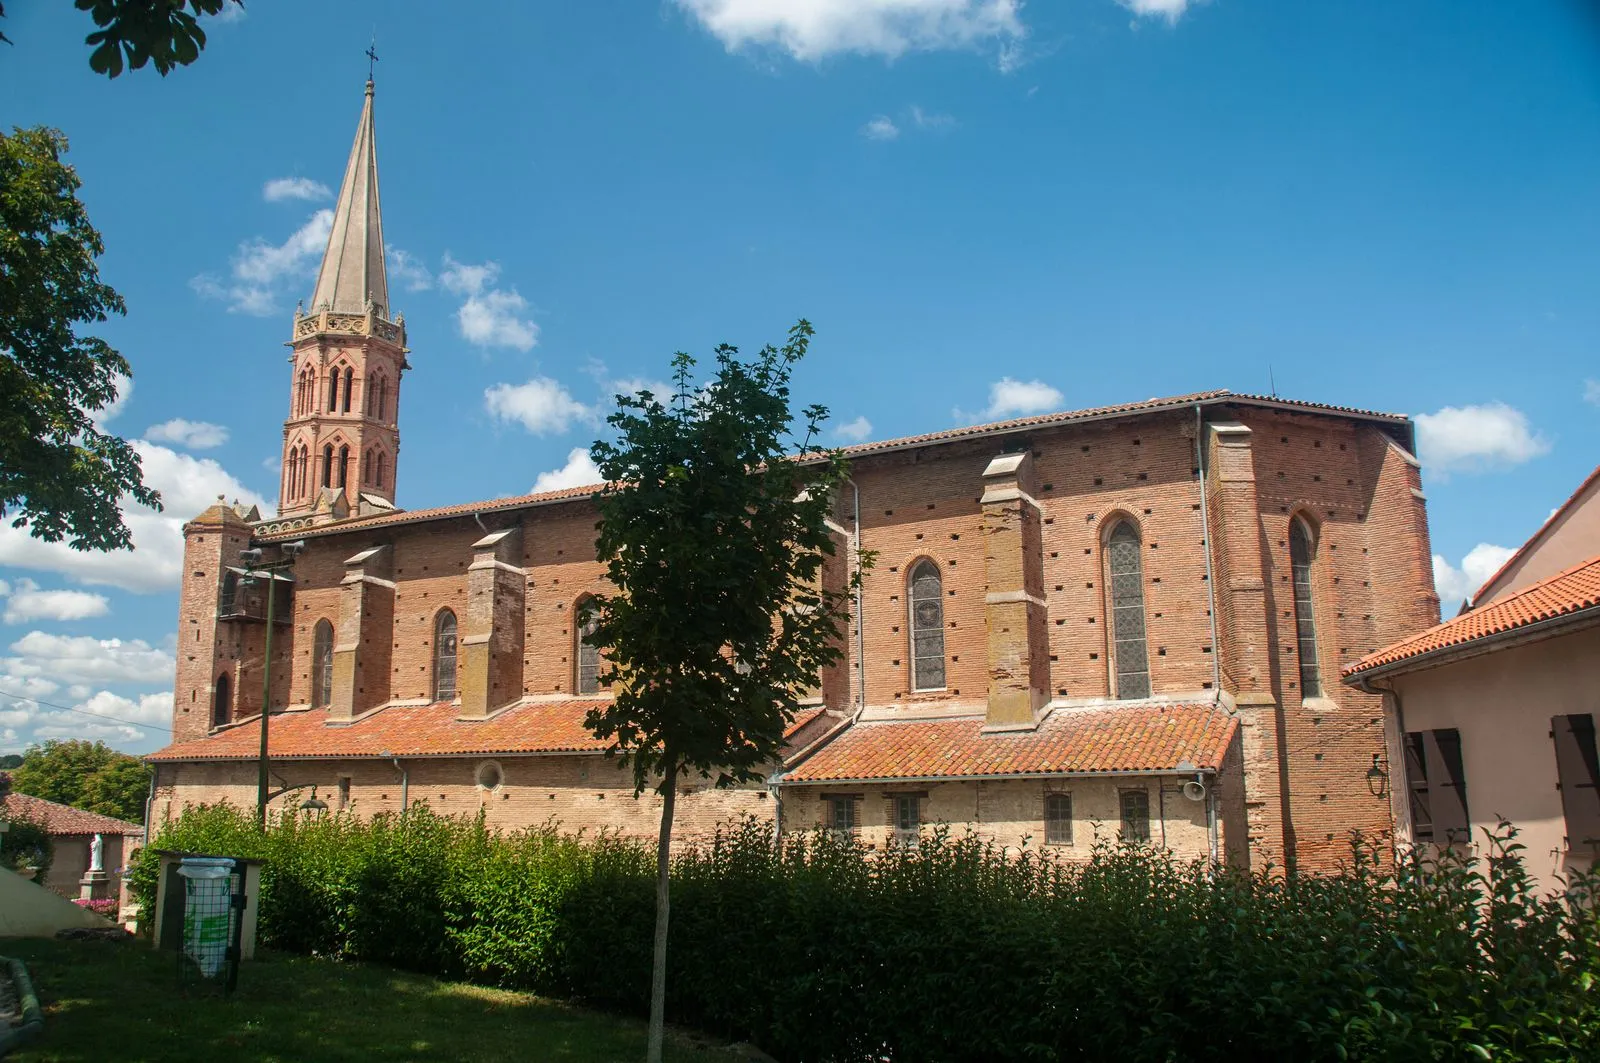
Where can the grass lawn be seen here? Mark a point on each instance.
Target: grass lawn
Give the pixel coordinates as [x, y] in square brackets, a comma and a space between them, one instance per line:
[121, 1000]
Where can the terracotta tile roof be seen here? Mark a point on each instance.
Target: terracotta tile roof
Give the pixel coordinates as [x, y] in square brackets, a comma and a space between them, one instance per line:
[1522, 550]
[408, 731]
[1565, 594]
[1134, 738]
[1215, 396]
[64, 819]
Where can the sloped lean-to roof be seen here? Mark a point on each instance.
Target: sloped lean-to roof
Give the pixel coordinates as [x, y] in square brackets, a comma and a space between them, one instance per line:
[1567, 598]
[408, 731]
[1021, 424]
[1109, 741]
[63, 819]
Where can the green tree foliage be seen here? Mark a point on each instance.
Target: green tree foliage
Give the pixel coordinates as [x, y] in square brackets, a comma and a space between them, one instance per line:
[136, 32]
[87, 775]
[25, 843]
[59, 474]
[822, 951]
[713, 532]
[10, 760]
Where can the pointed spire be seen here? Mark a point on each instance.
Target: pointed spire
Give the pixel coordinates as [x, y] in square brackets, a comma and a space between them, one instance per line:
[352, 267]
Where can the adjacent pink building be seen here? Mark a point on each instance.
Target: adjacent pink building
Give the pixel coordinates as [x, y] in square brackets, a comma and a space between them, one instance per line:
[1492, 714]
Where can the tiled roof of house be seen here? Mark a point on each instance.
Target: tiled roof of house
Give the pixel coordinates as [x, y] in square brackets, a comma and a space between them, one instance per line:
[1135, 738]
[64, 819]
[408, 731]
[1219, 395]
[1567, 593]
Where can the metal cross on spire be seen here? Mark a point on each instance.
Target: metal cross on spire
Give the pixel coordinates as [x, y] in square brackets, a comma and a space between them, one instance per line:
[372, 56]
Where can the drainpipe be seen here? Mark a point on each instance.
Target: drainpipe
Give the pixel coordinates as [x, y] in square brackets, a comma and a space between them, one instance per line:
[774, 787]
[1211, 818]
[405, 785]
[1205, 520]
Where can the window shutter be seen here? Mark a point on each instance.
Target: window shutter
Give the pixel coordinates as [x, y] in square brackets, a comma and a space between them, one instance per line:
[1579, 772]
[1447, 787]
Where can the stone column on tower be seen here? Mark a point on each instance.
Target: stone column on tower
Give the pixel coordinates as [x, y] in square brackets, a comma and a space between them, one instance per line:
[341, 440]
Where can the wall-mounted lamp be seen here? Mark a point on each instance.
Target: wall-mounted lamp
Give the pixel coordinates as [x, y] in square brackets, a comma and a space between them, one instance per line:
[313, 803]
[1377, 778]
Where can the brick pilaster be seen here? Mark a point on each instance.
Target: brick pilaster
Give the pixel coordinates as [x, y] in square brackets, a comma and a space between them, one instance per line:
[362, 642]
[1014, 606]
[492, 625]
[1246, 632]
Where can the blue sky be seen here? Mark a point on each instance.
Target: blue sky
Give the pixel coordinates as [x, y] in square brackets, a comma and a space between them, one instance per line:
[986, 208]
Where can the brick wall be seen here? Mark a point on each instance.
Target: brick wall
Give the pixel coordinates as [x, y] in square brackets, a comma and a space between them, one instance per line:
[1301, 764]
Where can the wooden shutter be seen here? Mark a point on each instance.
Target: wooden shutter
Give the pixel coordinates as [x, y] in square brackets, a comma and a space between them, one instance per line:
[1578, 768]
[1447, 787]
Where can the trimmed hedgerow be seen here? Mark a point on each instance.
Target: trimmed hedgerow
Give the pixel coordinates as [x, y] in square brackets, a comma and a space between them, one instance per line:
[953, 951]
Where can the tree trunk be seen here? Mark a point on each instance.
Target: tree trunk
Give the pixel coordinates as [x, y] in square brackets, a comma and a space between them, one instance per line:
[658, 970]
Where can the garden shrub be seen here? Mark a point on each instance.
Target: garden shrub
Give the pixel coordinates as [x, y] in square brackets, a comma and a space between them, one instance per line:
[822, 951]
[26, 843]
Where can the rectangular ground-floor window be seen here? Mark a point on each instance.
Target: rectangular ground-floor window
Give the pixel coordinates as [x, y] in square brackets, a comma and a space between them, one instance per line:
[841, 813]
[1136, 815]
[1058, 819]
[907, 818]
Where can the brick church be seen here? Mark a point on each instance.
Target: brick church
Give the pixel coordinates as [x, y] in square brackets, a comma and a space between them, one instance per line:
[1126, 619]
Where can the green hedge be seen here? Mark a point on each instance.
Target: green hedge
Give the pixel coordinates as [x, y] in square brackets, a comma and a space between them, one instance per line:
[951, 951]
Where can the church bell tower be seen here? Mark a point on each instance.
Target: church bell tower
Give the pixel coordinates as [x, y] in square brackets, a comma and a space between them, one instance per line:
[341, 441]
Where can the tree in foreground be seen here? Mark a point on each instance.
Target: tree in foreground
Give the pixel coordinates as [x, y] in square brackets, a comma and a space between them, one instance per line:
[713, 532]
[87, 775]
[61, 477]
[136, 32]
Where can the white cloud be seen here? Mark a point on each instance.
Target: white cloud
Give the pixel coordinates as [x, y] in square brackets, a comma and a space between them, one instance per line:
[188, 485]
[260, 269]
[811, 30]
[407, 269]
[630, 386]
[1169, 10]
[1474, 438]
[282, 188]
[853, 431]
[490, 317]
[232, 11]
[196, 435]
[27, 602]
[542, 405]
[1591, 392]
[1018, 398]
[1457, 584]
[579, 471]
[930, 119]
[116, 714]
[880, 128]
[85, 659]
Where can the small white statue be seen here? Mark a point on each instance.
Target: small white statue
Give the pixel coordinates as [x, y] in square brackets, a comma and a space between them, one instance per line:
[97, 854]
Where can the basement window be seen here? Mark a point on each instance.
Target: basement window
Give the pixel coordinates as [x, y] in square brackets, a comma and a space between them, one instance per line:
[1136, 816]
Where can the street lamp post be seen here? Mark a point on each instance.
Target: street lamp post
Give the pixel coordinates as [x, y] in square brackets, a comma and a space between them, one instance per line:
[270, 573]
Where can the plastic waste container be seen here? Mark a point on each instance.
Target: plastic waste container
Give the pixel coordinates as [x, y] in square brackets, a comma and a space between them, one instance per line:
[207, 911]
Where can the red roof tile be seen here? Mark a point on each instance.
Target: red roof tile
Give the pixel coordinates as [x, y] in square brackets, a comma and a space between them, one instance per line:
[64, 819]
[1067, 742]
[1564, 594]
[1218, 395]
[408, 731]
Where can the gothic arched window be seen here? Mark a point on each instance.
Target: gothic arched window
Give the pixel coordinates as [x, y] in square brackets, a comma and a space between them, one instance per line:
[444, 656]
[1302, 550]
[327, 465]
[1125, 575]
[383, 397]
[322, 664]
[372, 394]
[927, 626]
[366, 466]
[349, 382]
[381, 462]
[221, 701]
[344, 465]
[333, 390]
[586, 652]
